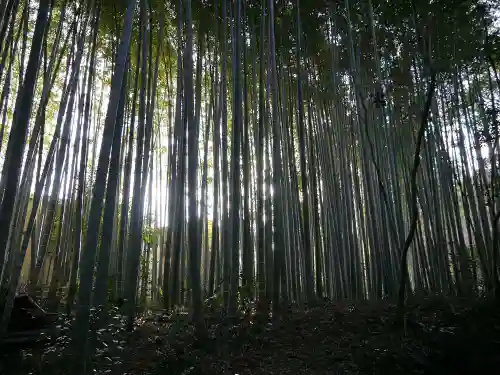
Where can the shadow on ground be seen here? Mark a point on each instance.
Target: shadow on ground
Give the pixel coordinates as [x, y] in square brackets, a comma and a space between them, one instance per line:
[441, 337]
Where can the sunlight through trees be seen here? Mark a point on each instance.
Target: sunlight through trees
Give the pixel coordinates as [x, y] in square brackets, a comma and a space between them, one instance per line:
[196, 152]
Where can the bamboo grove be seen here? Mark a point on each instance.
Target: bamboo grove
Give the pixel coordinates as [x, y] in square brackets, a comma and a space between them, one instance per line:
[167, 153]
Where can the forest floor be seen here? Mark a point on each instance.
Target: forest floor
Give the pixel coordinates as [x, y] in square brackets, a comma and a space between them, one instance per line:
[441, 336]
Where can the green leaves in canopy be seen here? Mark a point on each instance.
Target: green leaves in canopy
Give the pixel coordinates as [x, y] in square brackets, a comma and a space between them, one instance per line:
[456, 29]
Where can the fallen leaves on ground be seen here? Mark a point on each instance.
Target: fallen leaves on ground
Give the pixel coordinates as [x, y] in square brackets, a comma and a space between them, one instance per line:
[441, 336]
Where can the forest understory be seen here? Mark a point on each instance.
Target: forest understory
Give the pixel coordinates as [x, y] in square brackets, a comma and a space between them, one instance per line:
[441, 336]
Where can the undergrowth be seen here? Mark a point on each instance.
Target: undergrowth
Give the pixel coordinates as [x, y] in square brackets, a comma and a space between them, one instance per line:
[441, 336]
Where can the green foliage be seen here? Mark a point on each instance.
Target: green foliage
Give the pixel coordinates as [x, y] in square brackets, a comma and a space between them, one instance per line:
[150, 235]
[147, 235]
[214, 304]
[246, 297]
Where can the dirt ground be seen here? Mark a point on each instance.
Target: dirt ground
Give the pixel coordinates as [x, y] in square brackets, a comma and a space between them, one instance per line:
[441, 336]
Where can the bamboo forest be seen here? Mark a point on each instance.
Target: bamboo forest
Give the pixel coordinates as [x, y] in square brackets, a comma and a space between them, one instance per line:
[249, 187]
